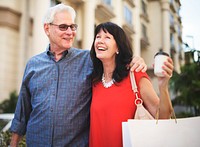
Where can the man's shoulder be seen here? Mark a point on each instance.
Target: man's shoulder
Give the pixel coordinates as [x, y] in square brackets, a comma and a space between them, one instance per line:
[37, 57]
[78, 50]
[80, 54]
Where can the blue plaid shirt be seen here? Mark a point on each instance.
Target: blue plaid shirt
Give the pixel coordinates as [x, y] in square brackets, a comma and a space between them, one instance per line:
[54, 100]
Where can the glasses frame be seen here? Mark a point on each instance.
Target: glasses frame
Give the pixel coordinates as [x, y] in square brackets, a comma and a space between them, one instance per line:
[64, 27]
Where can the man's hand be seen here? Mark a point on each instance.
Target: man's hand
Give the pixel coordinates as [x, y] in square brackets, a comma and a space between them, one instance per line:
[137, 64]
[15, 138]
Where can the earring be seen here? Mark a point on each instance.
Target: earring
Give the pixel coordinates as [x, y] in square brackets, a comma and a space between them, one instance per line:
[117, 52]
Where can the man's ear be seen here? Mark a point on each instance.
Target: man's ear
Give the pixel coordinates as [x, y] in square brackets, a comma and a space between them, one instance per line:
[46, 29]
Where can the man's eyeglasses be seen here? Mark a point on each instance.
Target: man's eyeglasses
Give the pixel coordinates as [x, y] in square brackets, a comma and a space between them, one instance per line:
[64, 27]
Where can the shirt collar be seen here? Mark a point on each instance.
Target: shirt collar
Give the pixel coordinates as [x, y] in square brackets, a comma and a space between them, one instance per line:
[49, 53]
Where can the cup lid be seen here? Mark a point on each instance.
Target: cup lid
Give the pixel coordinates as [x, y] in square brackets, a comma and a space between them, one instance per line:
[161, 53]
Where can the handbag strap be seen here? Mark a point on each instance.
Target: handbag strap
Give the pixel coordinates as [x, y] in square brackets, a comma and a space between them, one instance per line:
[138, 101]
[133, 82]
[135, 90]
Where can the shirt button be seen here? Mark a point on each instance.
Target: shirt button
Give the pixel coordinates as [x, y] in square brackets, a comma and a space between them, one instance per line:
[51, 109]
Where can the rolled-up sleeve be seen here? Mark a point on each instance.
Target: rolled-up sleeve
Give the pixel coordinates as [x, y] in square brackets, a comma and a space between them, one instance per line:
[23, 108]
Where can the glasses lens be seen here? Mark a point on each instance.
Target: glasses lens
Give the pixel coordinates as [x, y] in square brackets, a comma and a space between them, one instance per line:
[73, 27]
[64, 27]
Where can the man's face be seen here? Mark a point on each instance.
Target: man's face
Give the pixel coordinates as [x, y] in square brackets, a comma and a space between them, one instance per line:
[61, 39]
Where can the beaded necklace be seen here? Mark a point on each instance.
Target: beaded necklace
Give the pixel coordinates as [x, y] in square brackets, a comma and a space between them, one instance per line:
[107, 84]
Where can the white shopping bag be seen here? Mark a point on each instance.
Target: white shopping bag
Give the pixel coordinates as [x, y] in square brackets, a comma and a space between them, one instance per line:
[165, 133]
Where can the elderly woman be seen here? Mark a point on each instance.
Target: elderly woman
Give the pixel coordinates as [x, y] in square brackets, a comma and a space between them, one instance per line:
[112, 97]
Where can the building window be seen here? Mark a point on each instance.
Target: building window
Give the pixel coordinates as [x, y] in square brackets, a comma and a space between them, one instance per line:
[55, 2]
[108, 2]
[127, 15]
[179, 31]
[178, 11]
[172, 40]
[171, 19]
[144, 31]
[172, 50]
[144, 7]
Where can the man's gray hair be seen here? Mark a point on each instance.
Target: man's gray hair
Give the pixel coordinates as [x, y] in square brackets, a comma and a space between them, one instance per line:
[49, 17]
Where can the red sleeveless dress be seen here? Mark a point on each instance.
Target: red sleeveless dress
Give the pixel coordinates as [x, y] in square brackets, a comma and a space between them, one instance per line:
[110, 107]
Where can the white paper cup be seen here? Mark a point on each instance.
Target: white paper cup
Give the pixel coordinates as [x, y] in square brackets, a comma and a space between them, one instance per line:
[159, 60]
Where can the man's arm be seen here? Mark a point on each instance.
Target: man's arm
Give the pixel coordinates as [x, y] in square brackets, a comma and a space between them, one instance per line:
[137, 64]
[15, 140]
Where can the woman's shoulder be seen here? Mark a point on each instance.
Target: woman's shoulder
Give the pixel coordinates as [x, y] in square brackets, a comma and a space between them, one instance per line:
[140, 74]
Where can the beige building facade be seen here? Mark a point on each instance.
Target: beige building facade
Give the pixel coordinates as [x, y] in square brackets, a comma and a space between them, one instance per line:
[150, 25]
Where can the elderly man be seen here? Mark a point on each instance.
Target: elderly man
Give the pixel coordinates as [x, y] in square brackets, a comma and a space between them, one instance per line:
[55, 96]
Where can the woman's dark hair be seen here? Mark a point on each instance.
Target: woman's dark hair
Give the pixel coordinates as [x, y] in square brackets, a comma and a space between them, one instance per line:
[122, 59]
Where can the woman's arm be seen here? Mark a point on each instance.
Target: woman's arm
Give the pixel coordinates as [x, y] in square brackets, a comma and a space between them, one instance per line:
[151, 100]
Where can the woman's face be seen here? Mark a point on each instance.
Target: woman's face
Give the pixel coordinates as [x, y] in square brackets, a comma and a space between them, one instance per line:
[105, 46]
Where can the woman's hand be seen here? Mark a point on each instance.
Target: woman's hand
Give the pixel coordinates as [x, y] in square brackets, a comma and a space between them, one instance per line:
[168, 70]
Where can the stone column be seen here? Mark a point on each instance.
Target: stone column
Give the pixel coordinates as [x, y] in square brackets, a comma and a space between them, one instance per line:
[137, 29]
[38, 42]
[88, 23]
[165, 25]
[23, 44]
[118, 12]
[40, 39]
